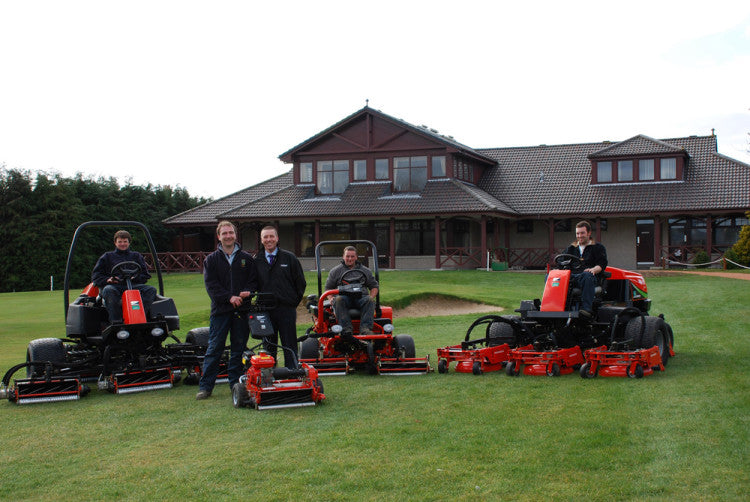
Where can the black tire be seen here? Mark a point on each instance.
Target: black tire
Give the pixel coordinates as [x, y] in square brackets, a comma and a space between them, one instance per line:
[510, 369]
[584, 371]
[318, 384]
[240, 397]
[404, 344]
[43, 349]
[637, 374]
[442, 366]
[476, 368]
[372, 361]
[500, 332]
[656, 332]
[198, 336]
[554, 370]
[309, 349]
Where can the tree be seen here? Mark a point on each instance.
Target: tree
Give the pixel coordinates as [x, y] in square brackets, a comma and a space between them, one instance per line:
[741, 248]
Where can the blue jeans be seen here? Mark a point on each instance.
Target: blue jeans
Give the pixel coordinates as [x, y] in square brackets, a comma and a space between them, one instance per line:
[365, 305]
[586, 282]
[239, 331]
[112, 294]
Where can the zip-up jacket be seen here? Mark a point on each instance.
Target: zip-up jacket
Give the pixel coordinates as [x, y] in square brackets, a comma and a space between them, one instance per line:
[103, 268]
[224, 281]
[593, 254]
[285, 278]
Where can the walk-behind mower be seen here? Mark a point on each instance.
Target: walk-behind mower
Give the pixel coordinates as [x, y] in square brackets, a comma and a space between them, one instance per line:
[333, 352]
[264, 386]
[124, 357]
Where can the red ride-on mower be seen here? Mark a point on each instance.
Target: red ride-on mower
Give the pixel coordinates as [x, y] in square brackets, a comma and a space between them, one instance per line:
[121, 358]
[559, 336]
[333, 352]
[263, 386]
[480, 355]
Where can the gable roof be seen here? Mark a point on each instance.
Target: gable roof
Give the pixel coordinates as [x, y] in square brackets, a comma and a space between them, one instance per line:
[638, 145]
[423, 131]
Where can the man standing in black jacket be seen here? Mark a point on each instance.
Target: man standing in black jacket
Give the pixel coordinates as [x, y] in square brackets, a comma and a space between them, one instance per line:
[280, 273]
[230, 277]
[594, 257]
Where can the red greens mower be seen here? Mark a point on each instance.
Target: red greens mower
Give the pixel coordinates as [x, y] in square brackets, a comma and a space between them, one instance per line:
[332, 352]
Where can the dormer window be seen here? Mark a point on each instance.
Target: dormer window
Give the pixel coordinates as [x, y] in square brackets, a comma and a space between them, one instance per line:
[624, 170]
[646, 169]
[668, 169]
[333, 176]
[305, 172]
[637, 170]
[604, 172]
[409, 173]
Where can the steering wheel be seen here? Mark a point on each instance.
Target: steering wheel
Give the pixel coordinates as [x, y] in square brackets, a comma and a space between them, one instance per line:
[354, 276]
[126, 270]
[570, 262]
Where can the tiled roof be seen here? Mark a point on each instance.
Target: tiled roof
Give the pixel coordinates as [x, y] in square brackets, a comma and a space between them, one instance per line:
[206, 214]
[556, 180]
[637, 145]
[368, 199]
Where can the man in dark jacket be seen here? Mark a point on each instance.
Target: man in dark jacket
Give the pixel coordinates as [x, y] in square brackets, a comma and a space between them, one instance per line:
[230, 277]
[280, 273]
[112, 287]
[594, 257]
[342, 303]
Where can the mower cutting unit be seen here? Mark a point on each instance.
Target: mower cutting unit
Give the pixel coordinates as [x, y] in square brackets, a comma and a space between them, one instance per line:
[480, 355]
[333, 352]
[602, 361]
[124, 357]
[263, 386]
[554, 362]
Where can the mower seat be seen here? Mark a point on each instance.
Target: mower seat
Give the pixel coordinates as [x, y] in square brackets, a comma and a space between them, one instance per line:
[599, 290]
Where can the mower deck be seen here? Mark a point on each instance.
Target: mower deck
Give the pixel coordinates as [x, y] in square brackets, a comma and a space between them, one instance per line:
[473, 360]
[634, 364]
[550, 362]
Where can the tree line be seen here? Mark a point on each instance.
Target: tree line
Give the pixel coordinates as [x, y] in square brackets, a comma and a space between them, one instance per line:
[39, 213]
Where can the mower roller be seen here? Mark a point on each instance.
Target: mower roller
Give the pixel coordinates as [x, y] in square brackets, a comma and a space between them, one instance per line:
[333, 352]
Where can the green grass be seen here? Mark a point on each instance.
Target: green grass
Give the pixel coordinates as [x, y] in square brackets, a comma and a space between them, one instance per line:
[682, 434]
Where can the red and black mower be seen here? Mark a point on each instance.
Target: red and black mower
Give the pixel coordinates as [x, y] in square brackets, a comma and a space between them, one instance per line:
[121, 358]
[619, 331]
[333, 352]
[264, 386]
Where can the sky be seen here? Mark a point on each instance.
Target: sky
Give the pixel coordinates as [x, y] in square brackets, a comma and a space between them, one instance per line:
[206, 95]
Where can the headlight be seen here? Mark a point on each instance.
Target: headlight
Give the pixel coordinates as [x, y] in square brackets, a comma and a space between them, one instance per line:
[336, 329]
[123, 335]
[388, 328]
[156, 332]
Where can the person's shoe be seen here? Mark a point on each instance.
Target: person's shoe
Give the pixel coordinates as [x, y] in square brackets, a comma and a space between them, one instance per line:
[365, 331]
[203, 394]
[585, 314]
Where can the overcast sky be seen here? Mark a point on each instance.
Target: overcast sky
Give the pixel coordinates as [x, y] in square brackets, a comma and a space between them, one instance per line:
[207, 95]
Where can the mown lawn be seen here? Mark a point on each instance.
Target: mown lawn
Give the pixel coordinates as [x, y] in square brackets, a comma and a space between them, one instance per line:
[681, 434]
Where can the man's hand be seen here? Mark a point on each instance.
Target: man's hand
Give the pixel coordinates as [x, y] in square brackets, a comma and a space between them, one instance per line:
[594, 270]
[236, 301]
[113, 280]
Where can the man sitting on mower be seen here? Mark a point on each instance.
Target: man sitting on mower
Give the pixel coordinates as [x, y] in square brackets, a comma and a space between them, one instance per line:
[349, 271]
[108, 278]
[594, 258]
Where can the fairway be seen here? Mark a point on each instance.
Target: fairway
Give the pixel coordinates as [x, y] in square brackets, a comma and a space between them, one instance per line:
[681, 434]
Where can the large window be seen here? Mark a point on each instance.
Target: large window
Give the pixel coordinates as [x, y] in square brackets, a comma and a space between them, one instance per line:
[409, 173]
[668, 169]
[415, 238]
[438, 166]
[646, 169]
[360, 170]
[333, 176]
[625, 170]
[604, 172]
[305, 172]
[381, 169]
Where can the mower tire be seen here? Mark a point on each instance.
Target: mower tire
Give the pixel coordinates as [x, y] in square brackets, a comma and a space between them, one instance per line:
[404, 345]
[309, 349]
[240, 397]
[198, 336]
[585, 371]
[656, 332]
[510, 369]
[500, 332]
[43, 349]
[443, 366]
[476, 368]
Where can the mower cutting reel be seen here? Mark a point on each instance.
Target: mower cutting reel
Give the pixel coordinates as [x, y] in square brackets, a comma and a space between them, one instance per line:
[332, 352]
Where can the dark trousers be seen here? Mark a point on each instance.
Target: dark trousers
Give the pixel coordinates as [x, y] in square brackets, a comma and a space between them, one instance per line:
[112, 294]
[586, 282]
[284, 320]
[239, 331]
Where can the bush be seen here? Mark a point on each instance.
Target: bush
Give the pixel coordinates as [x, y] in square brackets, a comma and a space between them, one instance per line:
[741, 248]
[731, 256]
[701, 259]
